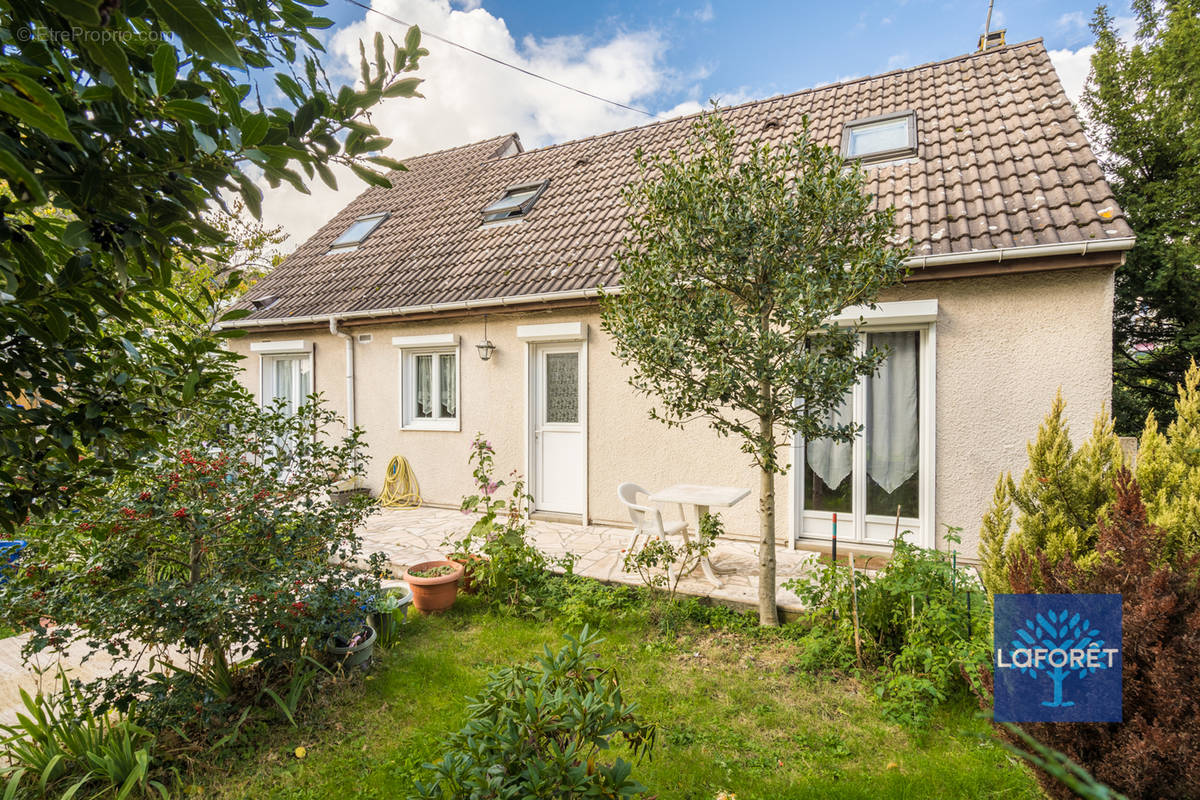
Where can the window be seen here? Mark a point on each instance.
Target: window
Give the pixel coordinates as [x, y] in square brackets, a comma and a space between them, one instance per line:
[882, 138]
[888, 466]
[515, 202]
[287, 378]
[357, 233]
[429, 389]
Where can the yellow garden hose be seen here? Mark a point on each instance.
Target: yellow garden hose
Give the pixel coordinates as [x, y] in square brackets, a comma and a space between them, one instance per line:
[400, 490]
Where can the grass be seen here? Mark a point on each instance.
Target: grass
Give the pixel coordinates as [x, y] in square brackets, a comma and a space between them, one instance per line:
[6, 632]
[733, 715]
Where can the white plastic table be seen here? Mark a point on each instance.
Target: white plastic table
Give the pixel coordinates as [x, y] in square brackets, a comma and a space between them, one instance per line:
[703, 498]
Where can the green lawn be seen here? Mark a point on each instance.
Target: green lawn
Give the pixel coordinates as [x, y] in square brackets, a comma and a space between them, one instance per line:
[6, 632]
[733, 715]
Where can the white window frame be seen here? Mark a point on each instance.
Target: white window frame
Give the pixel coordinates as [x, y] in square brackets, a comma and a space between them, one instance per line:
[432, 345]
[269, 353]
[912, 315]
[908, 150]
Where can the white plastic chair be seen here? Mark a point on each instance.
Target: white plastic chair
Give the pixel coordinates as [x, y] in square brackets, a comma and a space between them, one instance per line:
[646, 519]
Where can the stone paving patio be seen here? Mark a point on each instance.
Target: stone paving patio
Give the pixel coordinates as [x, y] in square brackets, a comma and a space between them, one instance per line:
[410, 536]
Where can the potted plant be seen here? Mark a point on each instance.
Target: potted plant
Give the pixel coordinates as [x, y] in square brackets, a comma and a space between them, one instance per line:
[354, 650]
[434, 584]
[390, 611]
[341, 492]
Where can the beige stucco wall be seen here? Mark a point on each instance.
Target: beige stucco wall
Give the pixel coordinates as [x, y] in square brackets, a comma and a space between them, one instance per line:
[1004, 346]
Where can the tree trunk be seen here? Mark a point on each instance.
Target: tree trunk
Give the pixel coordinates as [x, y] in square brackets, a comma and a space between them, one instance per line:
[768, 611]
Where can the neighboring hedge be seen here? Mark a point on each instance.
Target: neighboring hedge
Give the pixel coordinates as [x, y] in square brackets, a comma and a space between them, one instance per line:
[1058, 502]
[1155, 752]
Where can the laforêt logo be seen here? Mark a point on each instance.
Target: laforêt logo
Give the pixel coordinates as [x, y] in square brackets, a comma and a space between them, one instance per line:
[1057, 658]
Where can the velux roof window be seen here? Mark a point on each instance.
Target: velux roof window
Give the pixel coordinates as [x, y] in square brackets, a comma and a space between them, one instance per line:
[883, 138]
[357, 233]
[515, 202]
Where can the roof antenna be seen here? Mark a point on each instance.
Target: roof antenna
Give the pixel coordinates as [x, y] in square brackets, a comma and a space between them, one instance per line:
[989, 40]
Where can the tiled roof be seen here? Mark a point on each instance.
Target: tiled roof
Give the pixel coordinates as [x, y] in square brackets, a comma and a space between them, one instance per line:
[1001, 162]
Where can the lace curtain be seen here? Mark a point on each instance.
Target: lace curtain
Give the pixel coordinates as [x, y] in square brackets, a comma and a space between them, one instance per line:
[893, 447]
[446, 391]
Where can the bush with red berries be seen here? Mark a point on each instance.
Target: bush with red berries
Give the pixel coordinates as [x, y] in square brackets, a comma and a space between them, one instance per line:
[223, 548]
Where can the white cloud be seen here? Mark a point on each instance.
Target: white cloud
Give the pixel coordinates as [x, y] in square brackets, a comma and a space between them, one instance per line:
[468, 98]
[898, 60]
[704, 13]
[1073, 68]
[1072, 20]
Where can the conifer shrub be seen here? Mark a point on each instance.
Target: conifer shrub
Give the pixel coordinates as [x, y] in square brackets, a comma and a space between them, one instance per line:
[1054, 510]
[1155, 752]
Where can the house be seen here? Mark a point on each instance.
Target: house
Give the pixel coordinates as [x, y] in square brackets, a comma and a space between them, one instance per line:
[1016, 234]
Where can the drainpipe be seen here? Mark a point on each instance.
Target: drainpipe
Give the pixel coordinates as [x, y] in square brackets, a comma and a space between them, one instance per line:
[333, 329]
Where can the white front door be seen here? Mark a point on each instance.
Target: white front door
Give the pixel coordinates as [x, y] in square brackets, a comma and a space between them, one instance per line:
[557, 417]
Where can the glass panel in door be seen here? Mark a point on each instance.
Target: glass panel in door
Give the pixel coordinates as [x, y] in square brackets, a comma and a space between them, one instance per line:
[562, 388]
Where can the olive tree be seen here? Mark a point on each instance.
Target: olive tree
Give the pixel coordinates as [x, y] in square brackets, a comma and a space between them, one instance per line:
[738, 255]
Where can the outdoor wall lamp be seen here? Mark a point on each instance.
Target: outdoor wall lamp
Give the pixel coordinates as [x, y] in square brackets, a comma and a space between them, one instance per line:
[485, 347]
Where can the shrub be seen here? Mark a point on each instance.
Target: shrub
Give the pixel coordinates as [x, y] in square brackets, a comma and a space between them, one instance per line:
[539, 731]
[513, 572]
[921, 620]
[226, 540]
[1155, 752]
[1064, 492]
[662, 565]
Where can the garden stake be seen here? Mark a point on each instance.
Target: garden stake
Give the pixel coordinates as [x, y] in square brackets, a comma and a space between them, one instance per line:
[968, 615]
[896, 532]
[834, 558]
[854, 610]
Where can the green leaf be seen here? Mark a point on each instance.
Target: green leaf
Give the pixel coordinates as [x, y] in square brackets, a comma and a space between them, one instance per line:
[412, 39]
[370, 176]
[190, 110]
[326, 175]
[199, 29]
[34, 106]
[84, 11]
[166, 68]
[390, 163]
[254, 129]
[111, 56]
[405, 87]
[16, 173]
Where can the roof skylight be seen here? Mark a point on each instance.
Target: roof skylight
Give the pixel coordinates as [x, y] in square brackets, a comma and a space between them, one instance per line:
[883, 138]
[358, 232]
[515, 202]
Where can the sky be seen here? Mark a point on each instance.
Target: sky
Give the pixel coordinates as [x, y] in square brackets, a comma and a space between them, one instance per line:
[667, 57]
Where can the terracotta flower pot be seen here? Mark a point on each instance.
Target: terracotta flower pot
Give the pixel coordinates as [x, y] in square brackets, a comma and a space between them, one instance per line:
[469, 584]
[436, 593]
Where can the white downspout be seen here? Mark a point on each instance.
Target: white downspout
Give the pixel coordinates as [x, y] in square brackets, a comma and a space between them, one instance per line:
[333, 329]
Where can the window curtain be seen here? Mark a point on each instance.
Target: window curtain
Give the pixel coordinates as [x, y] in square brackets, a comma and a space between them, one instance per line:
[893, 449]
[829, 460]
[447, 394]
[424, 369]
[285, 384]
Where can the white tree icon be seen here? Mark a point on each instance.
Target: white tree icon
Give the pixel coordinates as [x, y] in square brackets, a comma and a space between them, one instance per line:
[1052, 633]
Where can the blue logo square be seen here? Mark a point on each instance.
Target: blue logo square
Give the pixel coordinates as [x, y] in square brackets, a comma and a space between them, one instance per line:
[1057, 658]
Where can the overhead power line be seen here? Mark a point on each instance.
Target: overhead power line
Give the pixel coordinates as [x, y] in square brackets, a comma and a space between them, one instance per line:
[502, 62]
